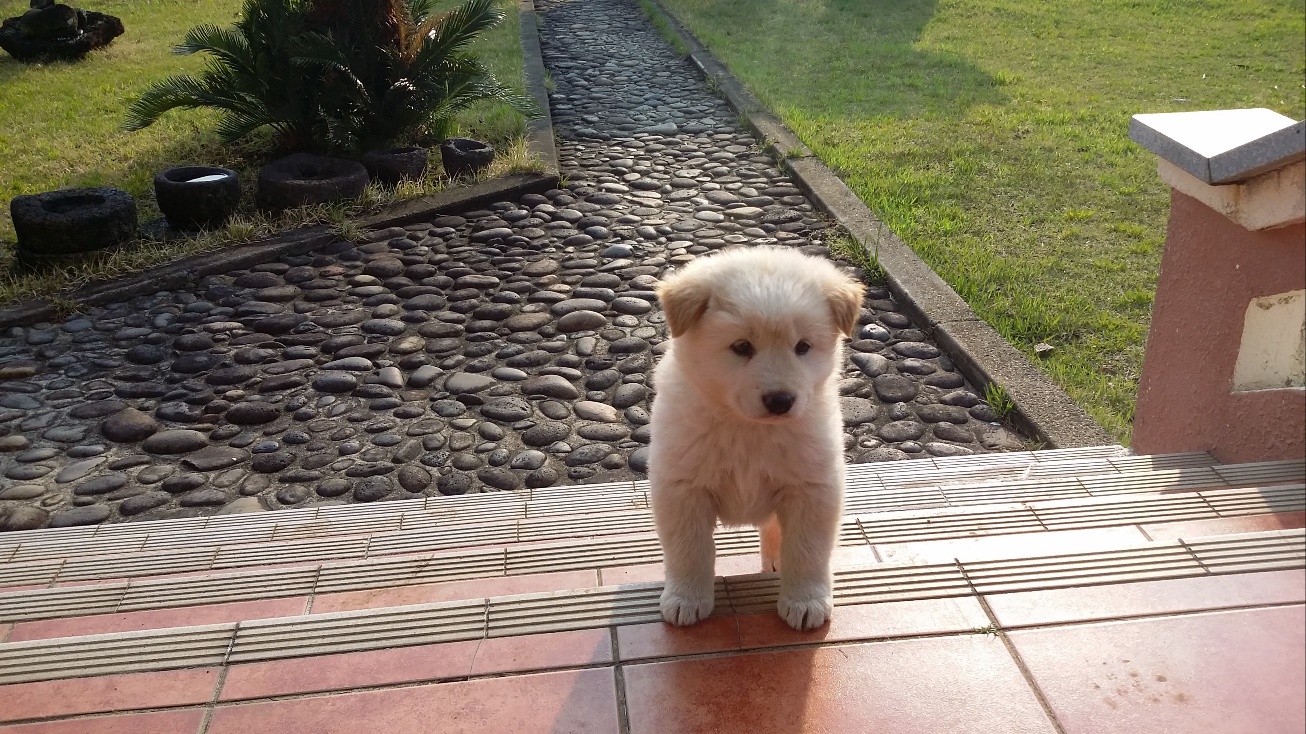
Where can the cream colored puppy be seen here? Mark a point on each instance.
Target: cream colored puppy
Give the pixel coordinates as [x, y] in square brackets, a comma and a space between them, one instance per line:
[746, 424]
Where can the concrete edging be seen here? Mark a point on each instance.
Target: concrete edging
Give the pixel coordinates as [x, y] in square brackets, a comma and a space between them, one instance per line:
[178, 274]
[1042, 408]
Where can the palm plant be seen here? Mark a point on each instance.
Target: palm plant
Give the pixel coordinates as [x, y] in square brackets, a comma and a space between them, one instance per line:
[401, 68]
[252, 78]
[347, 75]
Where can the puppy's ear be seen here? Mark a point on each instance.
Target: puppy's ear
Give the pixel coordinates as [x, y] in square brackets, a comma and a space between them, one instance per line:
[684, 302]
[845, 297]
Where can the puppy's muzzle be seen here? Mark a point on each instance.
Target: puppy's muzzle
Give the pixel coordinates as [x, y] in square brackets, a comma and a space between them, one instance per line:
[778, 402]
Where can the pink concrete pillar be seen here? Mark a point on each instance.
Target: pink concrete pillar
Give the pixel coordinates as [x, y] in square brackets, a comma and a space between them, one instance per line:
[1223, 371]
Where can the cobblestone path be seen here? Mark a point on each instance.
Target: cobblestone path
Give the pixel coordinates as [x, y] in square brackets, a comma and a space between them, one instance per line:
[502, 349]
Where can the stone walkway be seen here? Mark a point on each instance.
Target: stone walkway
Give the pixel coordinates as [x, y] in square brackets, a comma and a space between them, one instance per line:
[501, 349]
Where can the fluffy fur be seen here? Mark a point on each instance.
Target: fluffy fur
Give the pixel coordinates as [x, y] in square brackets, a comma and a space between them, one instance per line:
[746, 425]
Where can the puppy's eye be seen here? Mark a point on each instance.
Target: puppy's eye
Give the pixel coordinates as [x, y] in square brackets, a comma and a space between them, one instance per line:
[742, 348]
[802, 347]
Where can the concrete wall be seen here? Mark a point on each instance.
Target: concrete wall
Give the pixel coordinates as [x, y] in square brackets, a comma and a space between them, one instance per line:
[1212, 269]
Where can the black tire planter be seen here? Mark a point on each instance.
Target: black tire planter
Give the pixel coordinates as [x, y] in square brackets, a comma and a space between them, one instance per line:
[191, 204]
[389, 167]
[94, 30]
[464, 155]
[304, 178]
[72, 221]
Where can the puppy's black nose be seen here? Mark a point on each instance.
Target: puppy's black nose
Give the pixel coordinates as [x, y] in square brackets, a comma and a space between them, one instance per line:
[778, 402]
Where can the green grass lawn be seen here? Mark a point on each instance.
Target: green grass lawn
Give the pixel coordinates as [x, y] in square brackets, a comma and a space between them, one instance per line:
[60, 124]
[991, 135]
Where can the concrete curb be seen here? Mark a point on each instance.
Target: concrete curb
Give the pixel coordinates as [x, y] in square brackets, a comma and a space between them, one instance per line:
[1042, 409]
[175, 275]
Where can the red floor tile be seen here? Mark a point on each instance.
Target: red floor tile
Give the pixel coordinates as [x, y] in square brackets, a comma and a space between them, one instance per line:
[574, 702]
[867, 622]
[923, 686]
[163, 722]
[1225, 526]
[1023, 545]
[1239, 672]
[350, 670]
[543, 651]
[397, 596]
[5, 629]
[659, 639]
[68, 697]
[1144, 598]
[158, 618]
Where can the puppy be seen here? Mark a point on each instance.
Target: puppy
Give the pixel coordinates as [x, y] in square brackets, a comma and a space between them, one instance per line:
[746, 425]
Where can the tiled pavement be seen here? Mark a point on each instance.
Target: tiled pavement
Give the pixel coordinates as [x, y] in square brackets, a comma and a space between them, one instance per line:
[1136, 617]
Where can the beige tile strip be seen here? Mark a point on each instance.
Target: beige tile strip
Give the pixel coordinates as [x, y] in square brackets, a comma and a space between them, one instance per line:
[368, 531]
[634, 548]
[524, 614]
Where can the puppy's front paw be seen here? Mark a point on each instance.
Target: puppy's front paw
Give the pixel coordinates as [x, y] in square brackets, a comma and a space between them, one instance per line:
[685, 609]
[805, 612]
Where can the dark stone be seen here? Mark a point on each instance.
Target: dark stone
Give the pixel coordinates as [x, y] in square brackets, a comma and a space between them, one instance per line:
[941, 413]
[292, 495]
[87, 515]
[204, 498]
[414, 478]
[174, 442]
[146, 354]
[334, 487]
[453, 484]
[498, 477]
[895, 388]
[183, 483]
[899, 431]
[543, 477]
[212, 458]
[24, 518]
[97, 409]
[271, 463]
[101, 485]
[371, 489]
[252, 414]
[142, 502]
[545, 434]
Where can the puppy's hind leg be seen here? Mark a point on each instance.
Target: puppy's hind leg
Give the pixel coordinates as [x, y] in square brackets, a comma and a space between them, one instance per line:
[685, 520]
[771, 539]
[806, 585]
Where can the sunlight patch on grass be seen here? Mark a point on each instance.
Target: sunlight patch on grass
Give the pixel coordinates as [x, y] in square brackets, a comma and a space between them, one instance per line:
[991, 135]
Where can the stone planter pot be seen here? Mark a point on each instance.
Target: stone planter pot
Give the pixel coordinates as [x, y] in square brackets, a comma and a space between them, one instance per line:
[72, 221]
[304, 178]
[464, 155]
[388, 167]
[197, 197]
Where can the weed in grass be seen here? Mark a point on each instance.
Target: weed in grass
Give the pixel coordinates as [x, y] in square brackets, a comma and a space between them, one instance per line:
[842, 245]
[1001, 403]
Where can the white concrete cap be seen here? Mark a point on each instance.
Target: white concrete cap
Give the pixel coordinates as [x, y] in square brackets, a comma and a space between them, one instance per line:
[1222, 146]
